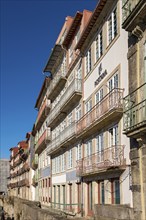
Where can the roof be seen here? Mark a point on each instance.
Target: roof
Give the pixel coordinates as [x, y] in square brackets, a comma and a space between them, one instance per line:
[71, 32]
[91, 23]
[23, 144]
[55, 54]
[42, 92]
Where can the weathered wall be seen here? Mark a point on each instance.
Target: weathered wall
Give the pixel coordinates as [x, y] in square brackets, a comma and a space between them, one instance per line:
[27, 210]
[113, 212]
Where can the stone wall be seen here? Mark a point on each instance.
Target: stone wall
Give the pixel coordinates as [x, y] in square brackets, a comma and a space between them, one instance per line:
[113, 212]
[27, 210]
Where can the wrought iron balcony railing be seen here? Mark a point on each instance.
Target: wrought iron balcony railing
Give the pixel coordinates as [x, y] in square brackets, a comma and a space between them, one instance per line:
[57, 84]
[34, 163]
[127, 7]
[107, 158]
[110, 107]
[43, 141]
[43, 113]
[24, 182]
[135, 109]
[69, 98]
[66, 136]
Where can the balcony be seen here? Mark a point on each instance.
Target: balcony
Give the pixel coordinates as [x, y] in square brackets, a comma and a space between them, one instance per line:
[135, 112]
[24, 182]
[43, 141]
[66, 137]
[13, 185]
[102, 161]
[70, 97]
[35, 180]
[43, 113]
[24, 154]
[133, 11]
[110, 108]
[17, 163]
[35, 162]
[57, 84]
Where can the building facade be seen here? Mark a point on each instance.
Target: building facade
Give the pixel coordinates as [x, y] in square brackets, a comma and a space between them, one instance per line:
[85, 158]
[4, 174]
[20, 172]
[134, 22]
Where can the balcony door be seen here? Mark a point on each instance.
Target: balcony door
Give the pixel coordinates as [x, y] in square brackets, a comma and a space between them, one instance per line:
[64, 196]
[99, 106]
[99, 148]
[88, 109]
[113, 143]
[88, 159]
[90, 198]
[113, 83]
[101, 192]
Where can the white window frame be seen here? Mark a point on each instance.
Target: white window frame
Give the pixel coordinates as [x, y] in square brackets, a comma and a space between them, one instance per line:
[88, 106]
[70, 159]
[88, 61]
[113, 82]
[78, 151]
[99, 96]
[99, 45]
[112, 25]
[78, 112]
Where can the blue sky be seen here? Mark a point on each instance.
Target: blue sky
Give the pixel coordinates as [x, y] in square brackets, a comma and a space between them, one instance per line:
[29, 30]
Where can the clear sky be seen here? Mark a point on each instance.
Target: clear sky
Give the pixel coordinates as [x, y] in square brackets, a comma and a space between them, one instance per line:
[29, 29]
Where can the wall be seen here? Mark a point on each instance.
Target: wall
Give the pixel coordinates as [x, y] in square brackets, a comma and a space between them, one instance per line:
[113, 212]
[27, 210]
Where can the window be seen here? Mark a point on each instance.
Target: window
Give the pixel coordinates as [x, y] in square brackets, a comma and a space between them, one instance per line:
[58, 162]
[88, 148]
[78, 151]
[113, 135]
[79, 71]
[53, 166]
[101, 192]
[115, 189]
[88, 61]
[63, 162]
[113, 82]
[99, 147]
[88, 106]
[70, 159]
[99, 46]
[70, 118]
[99, 96]
[78, 112]
[112, 25]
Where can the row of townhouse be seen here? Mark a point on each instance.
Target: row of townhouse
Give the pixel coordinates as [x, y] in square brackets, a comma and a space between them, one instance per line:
[20, 179]
[83, 156]
[92, 115]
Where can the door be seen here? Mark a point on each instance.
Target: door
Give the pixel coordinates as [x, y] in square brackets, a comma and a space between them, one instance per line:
[99, 148]
[99, 104]
[70, 196]
[113, 144]
[90, 198]
[64, 195]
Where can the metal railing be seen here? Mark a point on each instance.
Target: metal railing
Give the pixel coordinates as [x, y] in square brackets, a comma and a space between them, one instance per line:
[113, 100]
[108, 157]
[56, 79]
[135, 108]
[46, 104]
[127, 7]
[45, 137]
[75, 86]
[65, 135]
